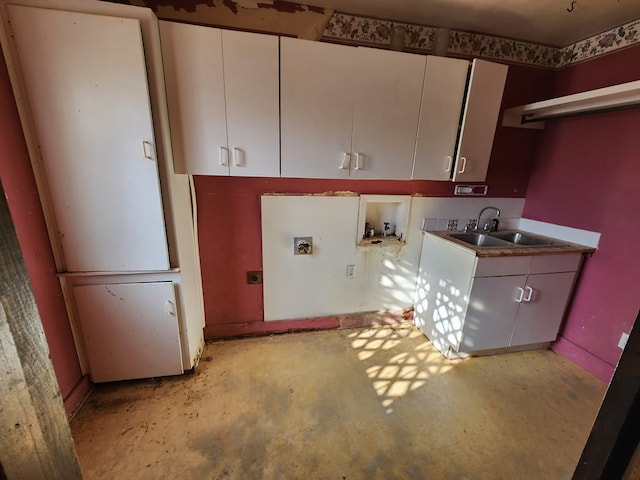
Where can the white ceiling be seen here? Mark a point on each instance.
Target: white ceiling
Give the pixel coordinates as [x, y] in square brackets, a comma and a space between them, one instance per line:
[541, 21]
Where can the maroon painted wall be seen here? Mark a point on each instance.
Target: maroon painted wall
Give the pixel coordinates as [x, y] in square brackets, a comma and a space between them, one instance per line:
[587, 175]
[230, 208]
[24, 204]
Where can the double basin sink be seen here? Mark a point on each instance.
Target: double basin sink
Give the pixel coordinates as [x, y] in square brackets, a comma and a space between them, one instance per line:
[504, 239]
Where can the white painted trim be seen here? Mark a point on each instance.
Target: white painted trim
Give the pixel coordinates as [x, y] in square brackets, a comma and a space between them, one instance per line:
[568, 234]
[615, 96]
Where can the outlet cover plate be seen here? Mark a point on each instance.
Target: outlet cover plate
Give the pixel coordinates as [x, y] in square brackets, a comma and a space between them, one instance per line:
[623, 340]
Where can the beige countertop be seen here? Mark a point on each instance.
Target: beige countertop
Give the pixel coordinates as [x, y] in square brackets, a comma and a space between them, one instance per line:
[558, 247]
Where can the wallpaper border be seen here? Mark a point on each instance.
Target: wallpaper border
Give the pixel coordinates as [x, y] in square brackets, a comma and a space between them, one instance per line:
[358, 30]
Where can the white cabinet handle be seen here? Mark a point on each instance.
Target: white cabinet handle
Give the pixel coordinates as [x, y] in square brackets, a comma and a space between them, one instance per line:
[147, 150]
[170, 308]
[529, 294]
[224, 157]
[238, 157]
[449, 163]
[521, 296]
[346, 161]
[357, 167]
[464, 164]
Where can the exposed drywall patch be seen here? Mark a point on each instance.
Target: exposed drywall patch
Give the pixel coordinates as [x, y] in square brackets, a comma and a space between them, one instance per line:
[290, 7]
[344, 193]
[278, 17]
[187, 5]
[234, 6]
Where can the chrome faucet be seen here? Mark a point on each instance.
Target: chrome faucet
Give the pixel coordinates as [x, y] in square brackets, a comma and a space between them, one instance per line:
[492, 225]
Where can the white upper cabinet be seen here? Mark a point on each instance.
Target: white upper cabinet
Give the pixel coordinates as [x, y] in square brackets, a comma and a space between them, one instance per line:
[385, 118]
[195, 93]
[445, 80]
[479, 120]
[317, 84]
[348, 112]
[252, 85]
[87, 89]
[223, 96]
[456, 133]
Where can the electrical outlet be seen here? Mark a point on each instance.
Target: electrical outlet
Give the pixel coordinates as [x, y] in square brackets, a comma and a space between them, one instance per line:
[351, 271]
[623, 340]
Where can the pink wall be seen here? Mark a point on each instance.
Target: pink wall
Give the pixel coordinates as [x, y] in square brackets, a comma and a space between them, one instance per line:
[587, 175]
[230, 208]
[24, 204]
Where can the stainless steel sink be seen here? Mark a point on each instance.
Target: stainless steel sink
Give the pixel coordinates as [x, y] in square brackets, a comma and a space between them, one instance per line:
[480, 240]
[523, 239]
[505, 239]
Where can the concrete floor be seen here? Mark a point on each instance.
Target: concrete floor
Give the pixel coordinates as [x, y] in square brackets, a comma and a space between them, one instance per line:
[376, 403]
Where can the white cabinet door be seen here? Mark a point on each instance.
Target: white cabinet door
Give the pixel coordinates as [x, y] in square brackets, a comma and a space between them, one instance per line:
[129, 330]
[385, 119]
[479, 121]
[540, 315]
[87, 86]
[491, 313]
[192, 57]
[317, 92]
[252, 86]
[442, 291]
[223, 96]
[442, 98]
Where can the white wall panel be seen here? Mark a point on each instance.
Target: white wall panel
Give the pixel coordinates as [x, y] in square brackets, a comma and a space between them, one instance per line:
[299, 286]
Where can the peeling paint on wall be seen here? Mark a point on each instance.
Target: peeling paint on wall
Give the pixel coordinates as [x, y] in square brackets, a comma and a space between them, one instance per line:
[279, 17]
[187, 5]
[191, 5]
[290, 7]
[345, 193]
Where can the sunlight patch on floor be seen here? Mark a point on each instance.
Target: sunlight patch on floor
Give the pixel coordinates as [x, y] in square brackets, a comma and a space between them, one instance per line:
[393, 377]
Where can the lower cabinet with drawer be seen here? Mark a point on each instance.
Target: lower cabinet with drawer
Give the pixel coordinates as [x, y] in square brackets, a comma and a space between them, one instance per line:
[469, 305]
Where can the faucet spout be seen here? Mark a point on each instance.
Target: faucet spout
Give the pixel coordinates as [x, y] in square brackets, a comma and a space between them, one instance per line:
[492, 225]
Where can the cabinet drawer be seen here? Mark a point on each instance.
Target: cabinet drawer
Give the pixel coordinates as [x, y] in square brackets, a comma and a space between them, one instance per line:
[567, 262]
[501, 266]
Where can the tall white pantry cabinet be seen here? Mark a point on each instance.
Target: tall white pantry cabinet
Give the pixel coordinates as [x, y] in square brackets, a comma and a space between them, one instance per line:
[88, 82]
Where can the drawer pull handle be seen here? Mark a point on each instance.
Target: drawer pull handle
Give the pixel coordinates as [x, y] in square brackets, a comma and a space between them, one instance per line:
[357, 167]
[238, 157]
[346, 161]
[529, 294]
[147, 150]
[449, 163]
[224, 157]
[169, 308]
[464, 164]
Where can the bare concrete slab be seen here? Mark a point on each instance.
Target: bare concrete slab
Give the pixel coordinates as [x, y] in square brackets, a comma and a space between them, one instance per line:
[343, 404]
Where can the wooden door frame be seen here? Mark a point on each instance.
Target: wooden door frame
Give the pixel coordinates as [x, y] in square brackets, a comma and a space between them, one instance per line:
[611, 451]
[35, 438]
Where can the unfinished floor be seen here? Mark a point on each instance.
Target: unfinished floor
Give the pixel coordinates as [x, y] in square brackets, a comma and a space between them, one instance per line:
[375, 403]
